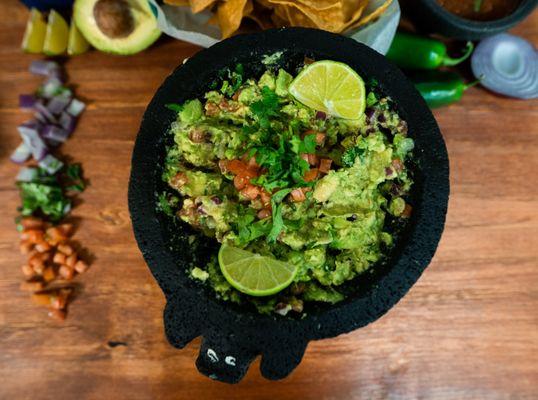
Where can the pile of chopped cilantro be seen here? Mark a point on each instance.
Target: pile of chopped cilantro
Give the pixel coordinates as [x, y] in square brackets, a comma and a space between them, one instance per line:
[48, 195]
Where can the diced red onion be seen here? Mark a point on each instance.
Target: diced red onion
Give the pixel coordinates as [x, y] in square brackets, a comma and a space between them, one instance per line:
[57, 73]
[21, 154]
[40, 118]
[67, 121]
[54, 133]
[27, 175]
[27, 101]
[34, 142]
[50, 164]
[58, 103]
[31, 123]
[43, 67]
[508, 65]
[321, 115]
[51, 88]
[45, 112]
[75, 107]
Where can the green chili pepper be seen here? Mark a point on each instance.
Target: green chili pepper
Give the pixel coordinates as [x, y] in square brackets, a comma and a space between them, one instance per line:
[440, 88]
[417, 52]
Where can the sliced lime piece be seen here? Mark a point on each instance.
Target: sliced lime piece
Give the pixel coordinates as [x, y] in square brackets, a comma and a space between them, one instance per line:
[254, 274]
[56, 36]
[34, 35]
[77, 44]
[332, 87]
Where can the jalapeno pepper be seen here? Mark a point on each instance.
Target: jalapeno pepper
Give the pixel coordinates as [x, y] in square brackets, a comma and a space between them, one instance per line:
[418, 52]
[440, 88]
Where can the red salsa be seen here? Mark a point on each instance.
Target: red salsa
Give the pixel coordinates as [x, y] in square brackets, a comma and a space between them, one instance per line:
[480, 10]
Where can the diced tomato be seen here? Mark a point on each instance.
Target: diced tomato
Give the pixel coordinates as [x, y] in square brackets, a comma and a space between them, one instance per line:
[306, 189]
[297, 195]
[304, 156]
[320, 137]
[312, 159]
[236, 166]
[325, 165]
[240, 181]
[265, 197]
[235, 97]
[264, 213]
[250, 191]
[179, 180]
[407, 211]
[398, 165]
[311, 175]
[252, 163]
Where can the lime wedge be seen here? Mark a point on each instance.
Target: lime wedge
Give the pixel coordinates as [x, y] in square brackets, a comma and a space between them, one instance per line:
[254, 274]
[34, 35]
[332, 87]
[56, 36]
[76, 44]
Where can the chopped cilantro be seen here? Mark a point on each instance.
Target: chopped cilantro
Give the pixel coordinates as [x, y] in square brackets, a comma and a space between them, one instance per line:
[350, 155]
[167, 203]
[47, 194]
[265, 108]
[278, 222]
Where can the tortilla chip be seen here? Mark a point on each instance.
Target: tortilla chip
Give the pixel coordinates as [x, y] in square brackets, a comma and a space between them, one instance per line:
[200, 5]
[261, 16]
[319, 5]
[176, 2]
[330, 19]
[214, 20]
[370, 17]
[230, 14]
[356, 16]
[249, 7]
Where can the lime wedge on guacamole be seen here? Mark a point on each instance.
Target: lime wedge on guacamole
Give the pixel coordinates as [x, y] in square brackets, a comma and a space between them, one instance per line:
[254, 274]
[332, 87]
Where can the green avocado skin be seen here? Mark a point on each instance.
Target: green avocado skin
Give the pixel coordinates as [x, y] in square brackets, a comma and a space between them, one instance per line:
[144, 34]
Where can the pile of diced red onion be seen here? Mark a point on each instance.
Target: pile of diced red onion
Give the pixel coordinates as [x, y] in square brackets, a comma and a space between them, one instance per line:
[55, 110]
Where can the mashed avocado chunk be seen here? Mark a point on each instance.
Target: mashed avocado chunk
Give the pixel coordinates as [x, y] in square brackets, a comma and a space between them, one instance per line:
[255, 169]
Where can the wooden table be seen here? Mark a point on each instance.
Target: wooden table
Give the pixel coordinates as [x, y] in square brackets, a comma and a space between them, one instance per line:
[467, 330]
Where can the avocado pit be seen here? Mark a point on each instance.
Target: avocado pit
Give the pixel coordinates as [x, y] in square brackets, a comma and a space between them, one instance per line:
[114, 18]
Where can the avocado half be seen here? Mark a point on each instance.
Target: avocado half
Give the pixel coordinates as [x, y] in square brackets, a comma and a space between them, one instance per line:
[116, 26]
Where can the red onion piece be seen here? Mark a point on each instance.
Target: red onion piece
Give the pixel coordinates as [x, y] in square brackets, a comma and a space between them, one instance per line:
[42, 67]
[27, 101]
[34, 142]
[67, 121]
[76, 107]
[21, 154]
[58, 103]
[27, 175]
[54, 133]
[51, 164]
[52, 87]
[44, 111]
[321, 115]
[508, 65]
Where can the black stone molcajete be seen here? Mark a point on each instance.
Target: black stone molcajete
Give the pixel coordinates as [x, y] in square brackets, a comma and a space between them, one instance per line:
[234, 336]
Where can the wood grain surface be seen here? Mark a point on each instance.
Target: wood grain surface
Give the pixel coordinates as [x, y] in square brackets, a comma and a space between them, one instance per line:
[467, 330]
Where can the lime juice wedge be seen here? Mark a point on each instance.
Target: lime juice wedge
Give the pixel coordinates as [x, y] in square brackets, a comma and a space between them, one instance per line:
[332, 87]
[56, 36]
[254, 274]
[34, 35]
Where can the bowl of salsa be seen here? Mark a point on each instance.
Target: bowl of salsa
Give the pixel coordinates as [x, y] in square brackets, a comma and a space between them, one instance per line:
[468, 19]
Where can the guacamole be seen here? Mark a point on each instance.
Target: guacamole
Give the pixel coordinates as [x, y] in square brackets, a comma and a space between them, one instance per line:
[253, 168]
